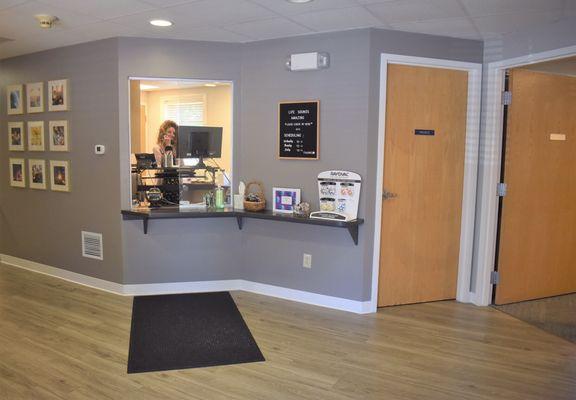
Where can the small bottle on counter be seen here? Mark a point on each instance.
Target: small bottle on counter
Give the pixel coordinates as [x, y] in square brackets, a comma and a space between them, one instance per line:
[219, 197]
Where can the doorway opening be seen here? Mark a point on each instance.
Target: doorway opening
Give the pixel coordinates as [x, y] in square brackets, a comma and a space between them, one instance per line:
[537, 220]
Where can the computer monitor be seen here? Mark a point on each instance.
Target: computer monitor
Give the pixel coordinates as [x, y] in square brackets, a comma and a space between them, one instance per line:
[145, 160]
[199, 141]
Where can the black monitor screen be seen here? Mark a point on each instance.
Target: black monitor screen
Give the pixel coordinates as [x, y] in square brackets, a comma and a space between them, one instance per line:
[199, 141]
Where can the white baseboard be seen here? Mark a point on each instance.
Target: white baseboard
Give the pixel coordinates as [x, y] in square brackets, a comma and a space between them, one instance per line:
[74, 277]
[151, 289]
[337, 303]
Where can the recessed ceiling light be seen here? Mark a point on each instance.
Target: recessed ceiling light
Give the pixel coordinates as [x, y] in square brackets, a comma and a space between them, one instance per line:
[161, 22]
[298, 1]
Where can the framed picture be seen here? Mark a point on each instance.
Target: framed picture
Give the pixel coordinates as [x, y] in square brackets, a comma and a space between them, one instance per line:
[58, 95]
[60, 176]
[14, 99]
[17, 172]
[16, 136]
[285, 199]
[35, 97]
[58, 135]
[35, 135]
[37, 171]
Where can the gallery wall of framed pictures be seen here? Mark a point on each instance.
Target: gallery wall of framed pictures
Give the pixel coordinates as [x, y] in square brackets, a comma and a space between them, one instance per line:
[38, 135]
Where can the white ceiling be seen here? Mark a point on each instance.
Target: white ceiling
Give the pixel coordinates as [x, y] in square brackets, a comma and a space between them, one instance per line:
[251, 20]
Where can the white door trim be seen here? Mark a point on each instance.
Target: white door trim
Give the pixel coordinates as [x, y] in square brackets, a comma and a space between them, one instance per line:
[470, 167]
[490, 162]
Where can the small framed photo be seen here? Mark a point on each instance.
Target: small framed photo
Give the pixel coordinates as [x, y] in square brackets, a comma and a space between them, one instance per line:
[58, 95]
[58, 135]
[60, 176]
[35, 97]
[37, 171]
[17, 172]
[35, 135]
[16, 136]
[285, 199]
[15, 99]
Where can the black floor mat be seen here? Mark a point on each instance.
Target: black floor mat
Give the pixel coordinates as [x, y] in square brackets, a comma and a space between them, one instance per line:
[188, 331]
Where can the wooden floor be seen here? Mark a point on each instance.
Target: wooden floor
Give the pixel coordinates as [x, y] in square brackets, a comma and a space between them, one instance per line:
[59, 340]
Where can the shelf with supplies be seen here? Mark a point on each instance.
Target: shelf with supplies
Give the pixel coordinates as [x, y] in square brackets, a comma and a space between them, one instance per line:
[147, 214]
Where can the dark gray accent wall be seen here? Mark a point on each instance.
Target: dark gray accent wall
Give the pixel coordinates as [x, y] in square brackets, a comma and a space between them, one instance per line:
[42, 225]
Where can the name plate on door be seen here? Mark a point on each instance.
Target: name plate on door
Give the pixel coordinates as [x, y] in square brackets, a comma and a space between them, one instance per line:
[557, 136]
[424, 132]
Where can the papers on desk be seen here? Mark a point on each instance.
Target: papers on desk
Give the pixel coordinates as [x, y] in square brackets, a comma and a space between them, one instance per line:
[185, 205]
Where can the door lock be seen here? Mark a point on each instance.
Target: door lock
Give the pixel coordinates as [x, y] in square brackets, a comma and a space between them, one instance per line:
[386, 195]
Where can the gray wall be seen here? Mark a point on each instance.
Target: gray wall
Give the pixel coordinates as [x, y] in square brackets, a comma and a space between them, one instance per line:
[273, 251]
[44, 226]
[185, 250]
[349, 94]
[265, 251]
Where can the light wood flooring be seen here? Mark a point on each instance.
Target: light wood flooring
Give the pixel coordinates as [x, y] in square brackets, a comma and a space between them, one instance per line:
[59, 340]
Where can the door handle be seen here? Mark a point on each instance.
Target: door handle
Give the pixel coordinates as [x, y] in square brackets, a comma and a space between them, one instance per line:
[386, 195]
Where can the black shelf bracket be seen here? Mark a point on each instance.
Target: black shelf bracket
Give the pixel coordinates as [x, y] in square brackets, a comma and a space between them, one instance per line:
[240, 221]
[145, 224]
[353, 230]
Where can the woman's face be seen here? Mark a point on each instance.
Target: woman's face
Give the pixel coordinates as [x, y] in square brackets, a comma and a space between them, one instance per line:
[169, 136]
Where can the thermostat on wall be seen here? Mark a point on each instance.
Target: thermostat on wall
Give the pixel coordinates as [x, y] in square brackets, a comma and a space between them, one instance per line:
[99, 149]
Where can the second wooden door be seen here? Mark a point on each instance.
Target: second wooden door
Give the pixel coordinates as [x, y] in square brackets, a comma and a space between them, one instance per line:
[538, 225]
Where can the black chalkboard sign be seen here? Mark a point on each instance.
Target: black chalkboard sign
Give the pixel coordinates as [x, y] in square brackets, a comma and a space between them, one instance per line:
[298, 130]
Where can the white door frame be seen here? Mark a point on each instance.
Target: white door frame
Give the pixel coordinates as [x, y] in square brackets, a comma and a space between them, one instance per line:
[489, 172]
[470, 167]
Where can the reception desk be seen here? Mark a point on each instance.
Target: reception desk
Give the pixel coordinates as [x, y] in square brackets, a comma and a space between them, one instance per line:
[147, 214]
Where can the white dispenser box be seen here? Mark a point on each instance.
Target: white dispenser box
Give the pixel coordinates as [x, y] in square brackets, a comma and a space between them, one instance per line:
[339, 194]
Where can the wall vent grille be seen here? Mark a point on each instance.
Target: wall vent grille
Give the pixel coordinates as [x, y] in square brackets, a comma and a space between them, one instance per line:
[92, 246]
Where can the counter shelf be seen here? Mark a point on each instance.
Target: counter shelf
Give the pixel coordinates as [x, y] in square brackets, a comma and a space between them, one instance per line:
[146, 214]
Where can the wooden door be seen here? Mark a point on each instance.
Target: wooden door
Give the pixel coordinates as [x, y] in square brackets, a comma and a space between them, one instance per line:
[423, 174]
[537, 256]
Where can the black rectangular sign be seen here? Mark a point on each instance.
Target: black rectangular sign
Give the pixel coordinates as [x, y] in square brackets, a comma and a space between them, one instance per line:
[298, 130]
[424, 132]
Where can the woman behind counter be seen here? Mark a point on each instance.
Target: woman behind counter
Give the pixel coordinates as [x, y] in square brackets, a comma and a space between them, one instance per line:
[167, 136]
